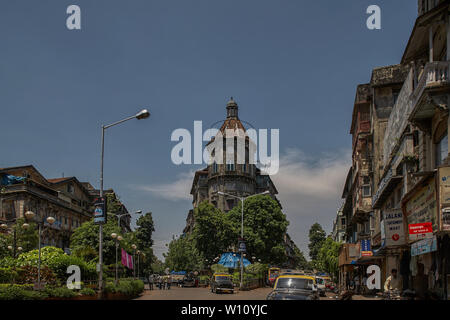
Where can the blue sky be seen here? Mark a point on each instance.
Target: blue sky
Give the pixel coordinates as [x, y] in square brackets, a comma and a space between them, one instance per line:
[289, 64]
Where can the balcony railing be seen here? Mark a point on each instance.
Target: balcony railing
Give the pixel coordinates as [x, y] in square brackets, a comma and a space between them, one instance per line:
[434, 74]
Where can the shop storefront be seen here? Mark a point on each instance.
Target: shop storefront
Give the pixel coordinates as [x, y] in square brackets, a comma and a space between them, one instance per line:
[426, 221]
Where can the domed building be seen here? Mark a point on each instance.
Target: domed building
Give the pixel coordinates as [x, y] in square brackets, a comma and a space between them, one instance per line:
[230, 177]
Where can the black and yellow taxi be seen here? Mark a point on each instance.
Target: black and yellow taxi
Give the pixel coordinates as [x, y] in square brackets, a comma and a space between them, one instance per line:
[221, 282]
[294, 287]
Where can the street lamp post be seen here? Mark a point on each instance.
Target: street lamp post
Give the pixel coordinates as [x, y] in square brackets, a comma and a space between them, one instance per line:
[143, 114]
[139, 256]
[29, 215]
[241, 285]
[117, 239]
[134, 260]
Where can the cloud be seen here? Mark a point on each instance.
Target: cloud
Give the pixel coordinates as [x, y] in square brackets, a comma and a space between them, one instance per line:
[310, 188]
[173, 191]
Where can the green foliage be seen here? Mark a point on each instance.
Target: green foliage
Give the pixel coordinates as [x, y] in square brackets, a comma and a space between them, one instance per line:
[20, 292]
[8, 275]
[264, 228]
[218, 268]
[213, 232]
[144, 241]
[300, 260]
[88, 292]
[316, 238]
[183, 255]
[131, 288]
[60, 292]
[25, 238]
[57, 261]
[86, 236]
[29, 274]
[257, 269]
[328, 257]
[4, 243]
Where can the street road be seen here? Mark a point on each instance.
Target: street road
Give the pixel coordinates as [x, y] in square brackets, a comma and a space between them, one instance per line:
[176, 293]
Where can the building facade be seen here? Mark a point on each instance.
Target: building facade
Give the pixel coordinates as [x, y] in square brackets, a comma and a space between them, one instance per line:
[66, 199]
[409, 168]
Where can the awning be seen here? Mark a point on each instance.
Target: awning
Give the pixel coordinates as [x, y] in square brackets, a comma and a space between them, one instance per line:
[232, 260]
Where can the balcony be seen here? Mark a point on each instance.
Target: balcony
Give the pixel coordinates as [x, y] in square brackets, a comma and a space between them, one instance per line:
[429, 93]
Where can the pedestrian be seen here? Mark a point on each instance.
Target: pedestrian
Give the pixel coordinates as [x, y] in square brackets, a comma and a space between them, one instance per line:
[356, 281]
[347, 281]
[150, 282]
[393, 282]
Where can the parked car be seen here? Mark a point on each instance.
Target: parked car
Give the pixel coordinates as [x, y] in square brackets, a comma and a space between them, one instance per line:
[294, 287]
[188, 282]
[221, 282]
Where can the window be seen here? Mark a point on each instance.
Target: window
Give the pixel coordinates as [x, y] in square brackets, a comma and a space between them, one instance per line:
[441, 150]
[215, 167]
[366, 191]
[230, 166]
[342, 222]
[230, 204]
[70, 188]
[244, 167]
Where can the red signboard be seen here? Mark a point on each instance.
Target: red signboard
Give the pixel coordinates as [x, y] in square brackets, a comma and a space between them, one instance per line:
[420, 230]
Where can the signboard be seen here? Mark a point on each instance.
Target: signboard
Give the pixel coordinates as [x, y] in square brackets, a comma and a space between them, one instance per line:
[242, 247]
[421, 207]
[420, 231]
[100, 211]
[444, 198]
[394, 234]
[424, 246]
[366, 250]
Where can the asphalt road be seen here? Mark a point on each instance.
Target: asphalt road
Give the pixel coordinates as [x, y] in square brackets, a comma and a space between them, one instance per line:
[176, 293]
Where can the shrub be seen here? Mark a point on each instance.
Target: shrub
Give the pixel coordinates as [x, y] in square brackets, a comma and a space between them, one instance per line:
[60, 292]
[88, 292]
[129, 288]
[20, 292]
[29, 275]
[57, 261]
[8, 275]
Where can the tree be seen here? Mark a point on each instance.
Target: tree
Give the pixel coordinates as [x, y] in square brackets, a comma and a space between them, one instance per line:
[144, 241]
[85, 239]
[27, 238]
[328, 257]
[316, 238]
[183, 255]
[264, 228]
[300, 260]
[213, 232]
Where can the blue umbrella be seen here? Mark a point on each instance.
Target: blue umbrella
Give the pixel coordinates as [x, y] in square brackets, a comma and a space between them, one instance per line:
[229, 261]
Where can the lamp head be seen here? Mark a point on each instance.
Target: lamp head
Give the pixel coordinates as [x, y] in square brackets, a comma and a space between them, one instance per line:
[143, 114]
[113, 235]
[119, 238]
[50, 220]
[25, 226]
[29, 215]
